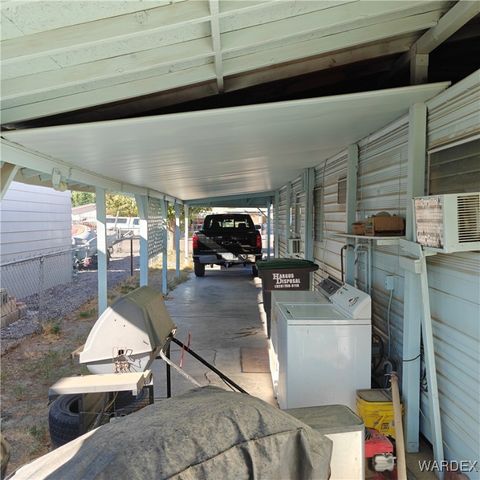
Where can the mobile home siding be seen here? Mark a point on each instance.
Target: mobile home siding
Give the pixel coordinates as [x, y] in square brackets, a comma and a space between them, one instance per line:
[381, 186]
[453, 117]
[327, 250]
[34, 221]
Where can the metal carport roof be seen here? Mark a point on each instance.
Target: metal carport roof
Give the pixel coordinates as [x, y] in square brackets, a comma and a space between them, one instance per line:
[213, 153]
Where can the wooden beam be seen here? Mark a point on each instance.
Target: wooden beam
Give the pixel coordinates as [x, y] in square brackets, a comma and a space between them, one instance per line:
[318, 63]
[462, 12]
[328, 43]
[107, 94]
[7, 174]
[217, 49]
[106, 30]
[344, 18]
[452, 21]
[418, 68]
[119, 69]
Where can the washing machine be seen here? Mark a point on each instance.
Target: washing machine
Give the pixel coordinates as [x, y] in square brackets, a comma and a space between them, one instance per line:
[323, 349]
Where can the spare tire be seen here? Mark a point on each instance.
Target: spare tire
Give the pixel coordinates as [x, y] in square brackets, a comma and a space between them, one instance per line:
[64, 419]
[126, 403]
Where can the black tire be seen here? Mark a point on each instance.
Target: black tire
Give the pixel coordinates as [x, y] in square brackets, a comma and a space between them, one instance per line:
[64, 419]
[126, 403]
[199, 269]
[254, 270]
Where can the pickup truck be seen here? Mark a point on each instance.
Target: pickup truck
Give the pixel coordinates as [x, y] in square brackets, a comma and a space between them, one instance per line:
[226, 239]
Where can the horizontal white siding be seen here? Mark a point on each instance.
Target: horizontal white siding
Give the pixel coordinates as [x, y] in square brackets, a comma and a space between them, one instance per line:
[327, 250]
[34, 221]
[453, 116]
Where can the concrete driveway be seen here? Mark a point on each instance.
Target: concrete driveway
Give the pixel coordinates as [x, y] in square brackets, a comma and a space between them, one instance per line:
[224, 316]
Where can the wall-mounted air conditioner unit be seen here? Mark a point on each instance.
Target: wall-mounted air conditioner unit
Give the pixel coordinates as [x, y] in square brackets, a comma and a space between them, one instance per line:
[448, 223]
[293, 246]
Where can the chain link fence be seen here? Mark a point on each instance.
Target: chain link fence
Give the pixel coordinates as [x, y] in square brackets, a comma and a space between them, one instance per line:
[28, 279]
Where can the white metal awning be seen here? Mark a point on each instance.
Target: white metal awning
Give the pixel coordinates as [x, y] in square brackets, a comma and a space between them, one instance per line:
[212, 153]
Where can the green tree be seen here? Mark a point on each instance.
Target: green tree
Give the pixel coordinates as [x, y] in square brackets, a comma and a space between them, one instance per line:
[121, 205]
[82, 198]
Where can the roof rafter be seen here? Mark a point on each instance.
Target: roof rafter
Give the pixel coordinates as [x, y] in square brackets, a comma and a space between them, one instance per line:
[217, 48]
[455, 18]
[51, 42]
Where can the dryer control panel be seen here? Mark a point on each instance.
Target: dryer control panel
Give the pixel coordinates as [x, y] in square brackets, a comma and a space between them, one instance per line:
[353, 302]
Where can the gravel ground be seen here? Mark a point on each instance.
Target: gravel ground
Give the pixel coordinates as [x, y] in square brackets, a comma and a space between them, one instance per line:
[62, 300]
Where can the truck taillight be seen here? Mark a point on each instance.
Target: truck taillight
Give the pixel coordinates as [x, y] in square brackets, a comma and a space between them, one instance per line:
[195, 241]
[258, 240]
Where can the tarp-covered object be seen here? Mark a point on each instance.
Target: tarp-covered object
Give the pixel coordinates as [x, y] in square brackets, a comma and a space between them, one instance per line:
[207, 433]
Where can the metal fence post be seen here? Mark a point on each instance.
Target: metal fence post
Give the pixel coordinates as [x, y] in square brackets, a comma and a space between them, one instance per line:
[41, 288]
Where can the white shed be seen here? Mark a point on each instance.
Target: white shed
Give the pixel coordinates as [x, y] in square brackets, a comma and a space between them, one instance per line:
[35, 239]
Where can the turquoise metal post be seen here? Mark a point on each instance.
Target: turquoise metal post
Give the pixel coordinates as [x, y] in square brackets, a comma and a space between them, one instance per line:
[351, 206]
[164, 205]
[177, 239]
[186, 227]
[101, 249]
[309, 185]
[142, 204]
[276, 233]
[269, 228]
[417, 131]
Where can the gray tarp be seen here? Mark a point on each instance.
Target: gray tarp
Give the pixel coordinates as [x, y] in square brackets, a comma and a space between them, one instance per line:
[207, 433]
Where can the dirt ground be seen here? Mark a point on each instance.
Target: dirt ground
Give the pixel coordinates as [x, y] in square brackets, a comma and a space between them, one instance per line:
[40, 360]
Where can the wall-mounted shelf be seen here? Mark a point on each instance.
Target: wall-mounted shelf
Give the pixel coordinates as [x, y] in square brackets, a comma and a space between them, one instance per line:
[380, 240]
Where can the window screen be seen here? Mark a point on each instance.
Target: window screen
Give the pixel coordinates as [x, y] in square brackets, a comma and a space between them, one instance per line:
[342, 190]
[455, 169]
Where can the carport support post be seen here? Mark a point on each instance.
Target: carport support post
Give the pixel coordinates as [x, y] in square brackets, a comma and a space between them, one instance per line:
[269, 227]
[412, 303]
[101, 249]
[164, 227]
[309, 186]
[186, 227]
[287, 213]
[276, 233]
[352, 170]
[177, 239]
[142, 204]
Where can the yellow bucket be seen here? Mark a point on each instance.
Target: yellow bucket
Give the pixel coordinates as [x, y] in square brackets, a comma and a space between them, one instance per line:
[375, 407]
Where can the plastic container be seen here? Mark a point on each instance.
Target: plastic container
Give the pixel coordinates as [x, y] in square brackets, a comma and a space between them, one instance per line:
[375, 407]
[290, 274]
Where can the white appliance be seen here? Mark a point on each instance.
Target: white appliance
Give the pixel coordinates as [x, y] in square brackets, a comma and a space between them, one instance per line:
[448, 223]
[323, 349]
[291, 297]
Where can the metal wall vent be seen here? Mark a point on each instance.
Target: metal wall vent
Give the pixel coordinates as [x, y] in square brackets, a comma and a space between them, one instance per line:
[468, 211]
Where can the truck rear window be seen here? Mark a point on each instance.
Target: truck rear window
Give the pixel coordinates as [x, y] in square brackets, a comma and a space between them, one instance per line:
[234, 222]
